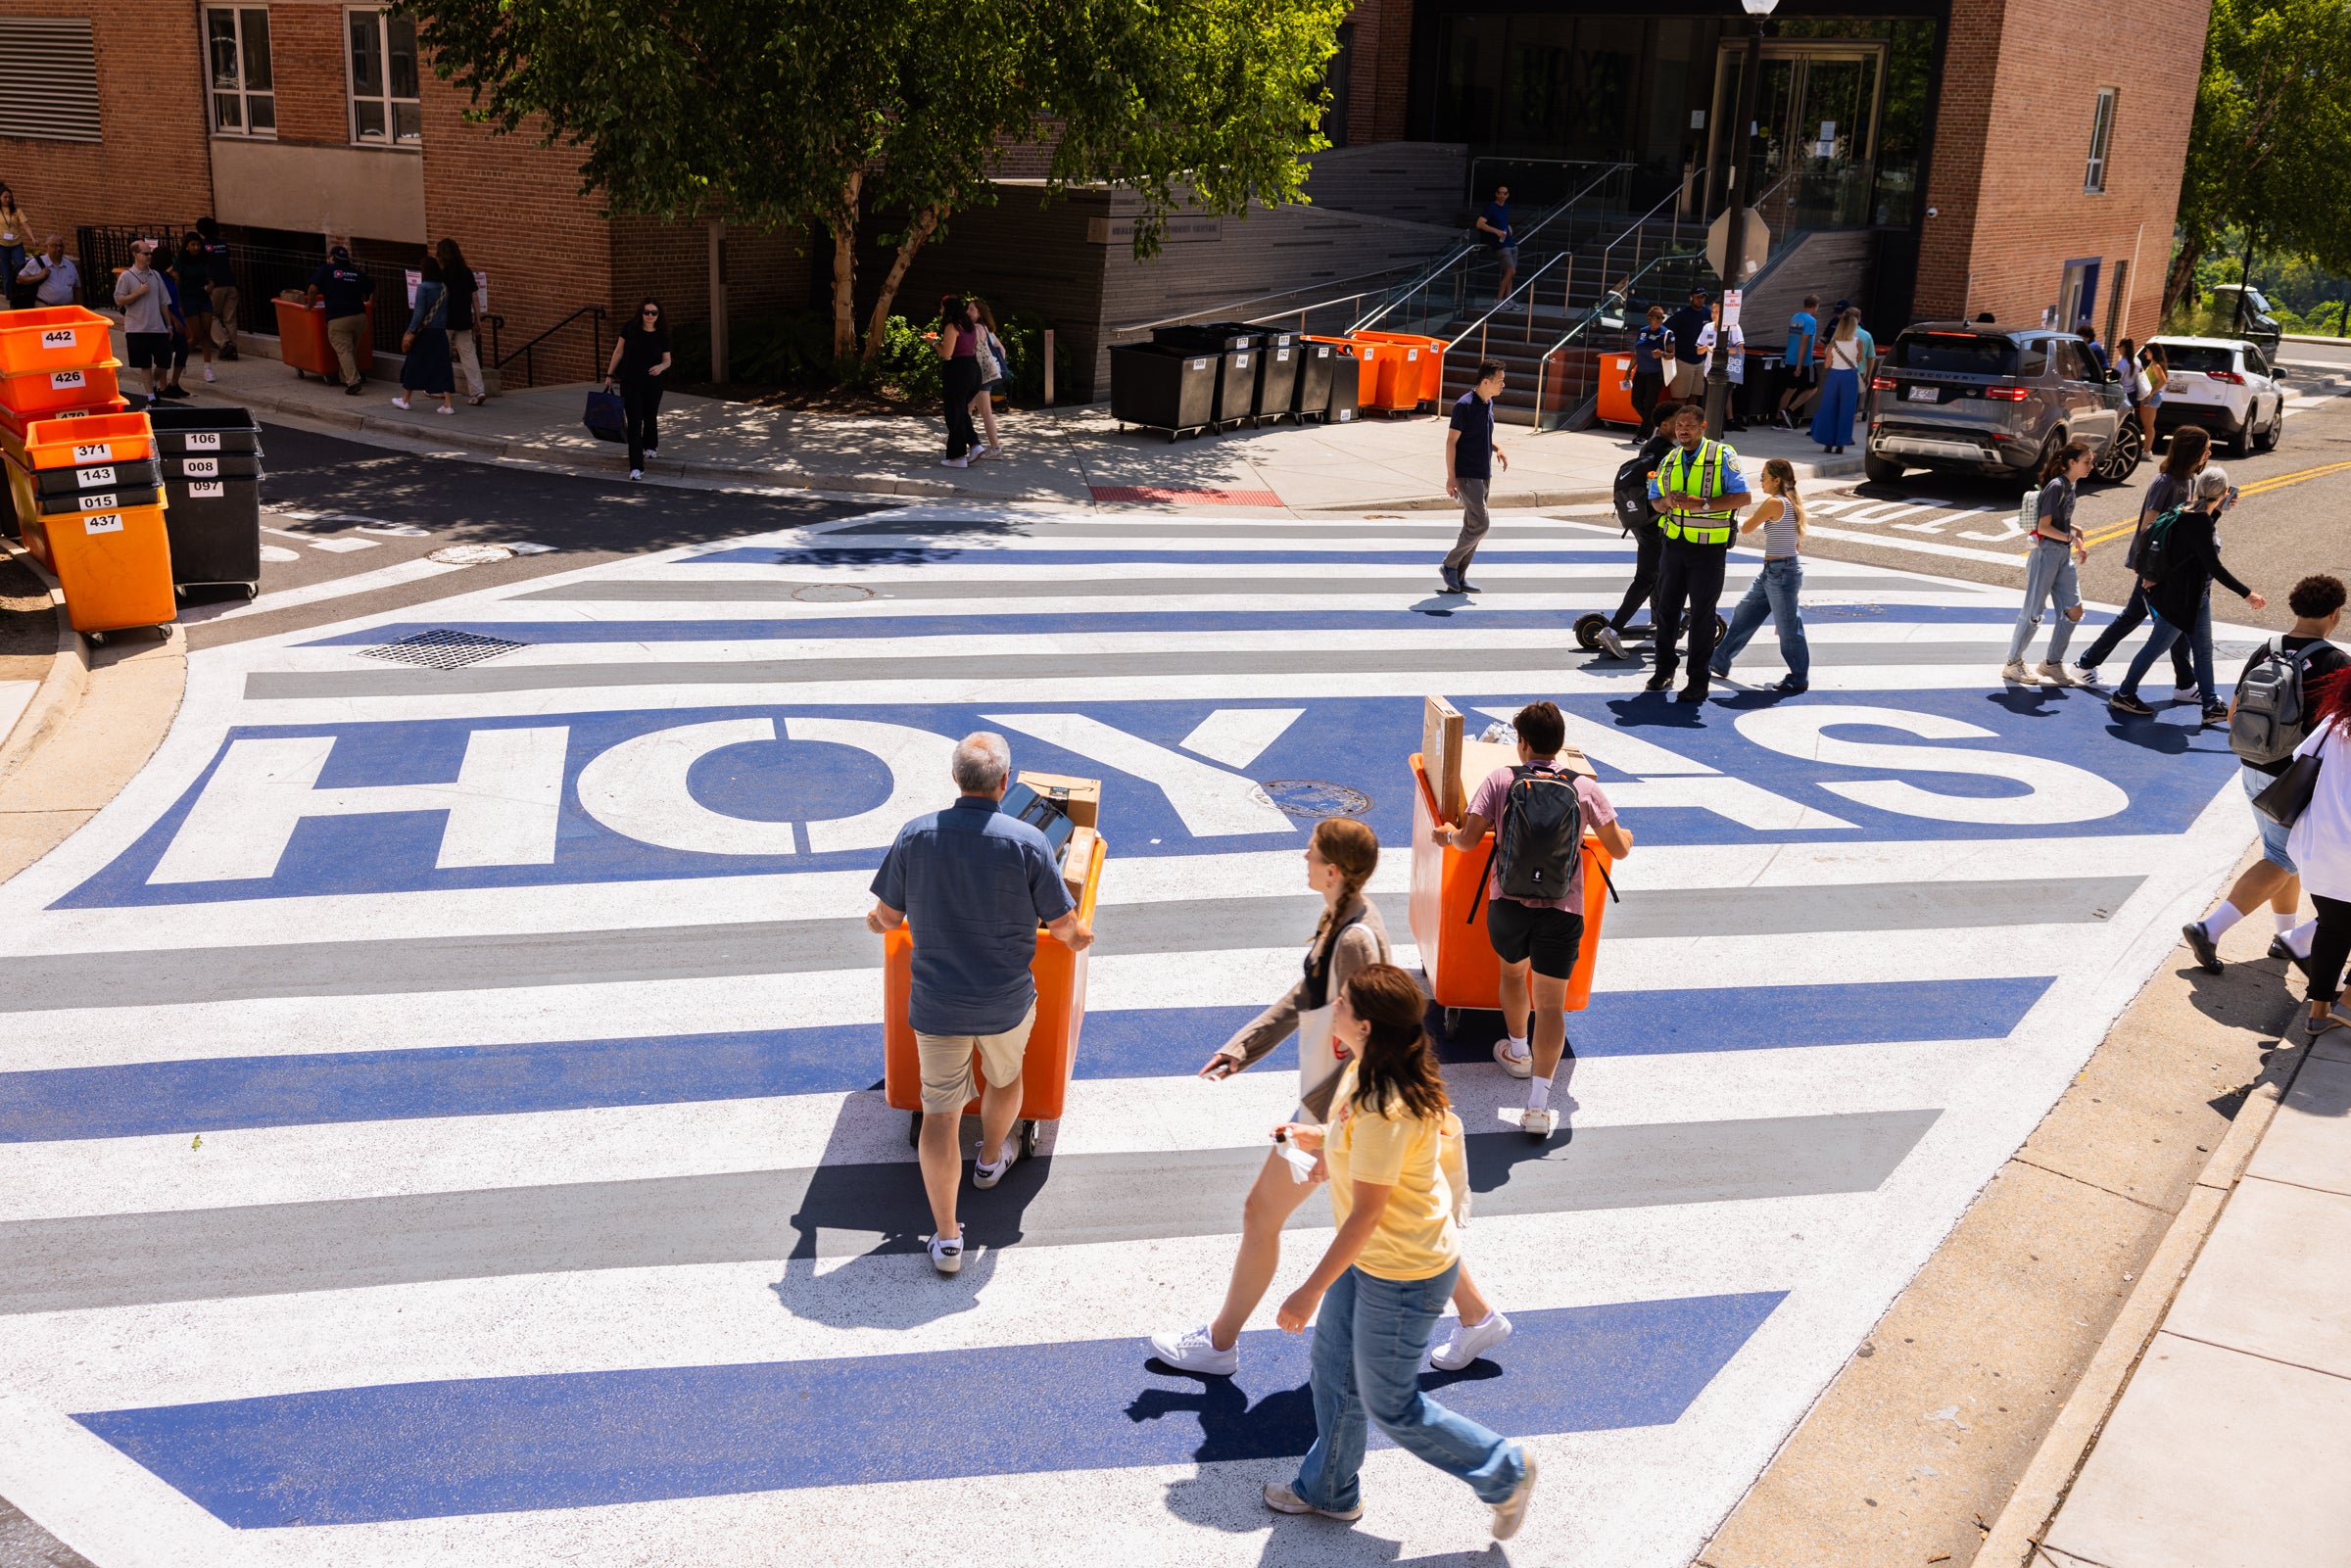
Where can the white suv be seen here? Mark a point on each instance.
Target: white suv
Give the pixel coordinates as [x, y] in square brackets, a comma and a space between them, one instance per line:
[2226, 385]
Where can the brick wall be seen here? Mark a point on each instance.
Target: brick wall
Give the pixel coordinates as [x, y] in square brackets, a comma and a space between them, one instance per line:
[1381, 71]
[306, 62]
[151, 164]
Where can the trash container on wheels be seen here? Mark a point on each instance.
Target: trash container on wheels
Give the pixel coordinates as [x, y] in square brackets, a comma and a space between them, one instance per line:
[1059, 972]
[1391, 375]
[1160, 387]
[1345, 374]
[211, 475]
[1279, 358]
[114, 567]
[1616, 389]
[1427, 359]
[1235, 348]
[302, 339]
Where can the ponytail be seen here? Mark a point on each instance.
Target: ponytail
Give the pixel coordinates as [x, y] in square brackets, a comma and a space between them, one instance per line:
[2061, 459]
[1353, 850]
[1780, 470]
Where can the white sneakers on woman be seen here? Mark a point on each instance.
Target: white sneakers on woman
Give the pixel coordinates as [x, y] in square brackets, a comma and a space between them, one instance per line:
[1196, 1353]
[1467, 1341]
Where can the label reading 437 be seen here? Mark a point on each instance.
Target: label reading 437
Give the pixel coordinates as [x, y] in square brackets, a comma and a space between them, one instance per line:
[103, 523]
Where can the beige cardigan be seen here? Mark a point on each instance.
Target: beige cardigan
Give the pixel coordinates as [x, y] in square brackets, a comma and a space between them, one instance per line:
[1364, 942]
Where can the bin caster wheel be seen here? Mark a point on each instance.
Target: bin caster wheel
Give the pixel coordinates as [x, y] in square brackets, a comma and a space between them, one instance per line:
[1453, 1022]
[1031, 1137]
[253, 591]
[914, 1129]
[1722, 629]
[1587, 631]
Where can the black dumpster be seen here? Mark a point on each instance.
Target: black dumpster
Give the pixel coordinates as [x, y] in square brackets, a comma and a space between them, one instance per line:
[1161, 387]
[1235, 347]
[1278, 357]
[95, 477]
[1346, 387]
[211, 472]
[101, 500]
[1310, 396]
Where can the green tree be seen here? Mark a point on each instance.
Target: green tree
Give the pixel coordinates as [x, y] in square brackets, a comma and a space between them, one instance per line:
[2270, 151]
[817, 113]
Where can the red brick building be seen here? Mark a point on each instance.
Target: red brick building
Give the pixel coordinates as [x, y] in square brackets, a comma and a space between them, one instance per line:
[1947, 155]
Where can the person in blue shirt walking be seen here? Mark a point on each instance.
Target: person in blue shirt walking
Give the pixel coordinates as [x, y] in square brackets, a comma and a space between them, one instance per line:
[976, 884]
[1469, 458]
[1798, 376]
[1494, 232]
[1648, 372]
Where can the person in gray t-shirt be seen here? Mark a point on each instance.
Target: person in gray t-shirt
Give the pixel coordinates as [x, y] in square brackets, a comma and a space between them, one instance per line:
[146, 308]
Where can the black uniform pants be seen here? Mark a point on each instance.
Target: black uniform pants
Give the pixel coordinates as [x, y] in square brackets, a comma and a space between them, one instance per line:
[1649, 544]
[1689, 582]
[640, 412]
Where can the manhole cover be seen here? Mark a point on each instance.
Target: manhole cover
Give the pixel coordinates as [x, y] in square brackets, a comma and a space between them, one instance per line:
[831, 592]
[443, 649]
[1311, 797]
[470, 554]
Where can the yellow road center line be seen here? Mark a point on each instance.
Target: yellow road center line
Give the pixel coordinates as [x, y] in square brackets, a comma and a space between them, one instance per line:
[2258, 486]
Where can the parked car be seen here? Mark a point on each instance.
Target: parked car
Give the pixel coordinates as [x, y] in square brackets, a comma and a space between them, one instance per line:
[2256, 323]
[1962, 397]
[2225, 385]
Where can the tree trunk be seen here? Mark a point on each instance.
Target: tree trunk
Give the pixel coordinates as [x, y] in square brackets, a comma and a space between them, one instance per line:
[844, 269]
[923, 228]
[2182, 273]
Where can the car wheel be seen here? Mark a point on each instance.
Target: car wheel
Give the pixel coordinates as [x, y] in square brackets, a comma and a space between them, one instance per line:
[2122, 454]
[2274, 430]
[1879, 470]
[2240, 439]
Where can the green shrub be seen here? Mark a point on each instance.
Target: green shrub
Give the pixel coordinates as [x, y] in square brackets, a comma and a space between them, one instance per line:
[794, 349]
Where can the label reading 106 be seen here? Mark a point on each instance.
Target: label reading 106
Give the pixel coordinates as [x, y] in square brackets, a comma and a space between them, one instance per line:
[200, 440]
[60, 380]
[103, 523]
[96, 452]
[59, 338]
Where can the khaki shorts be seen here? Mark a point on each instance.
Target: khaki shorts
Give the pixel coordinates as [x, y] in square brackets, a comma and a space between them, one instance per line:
[1689, 381]
[946, 1061]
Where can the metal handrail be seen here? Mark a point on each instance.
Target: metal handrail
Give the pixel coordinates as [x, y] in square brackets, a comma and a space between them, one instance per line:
[1549, 163]
[596, 316]
[1638, 225]
[1449, 262]
[1623, 293]
[1233, 305]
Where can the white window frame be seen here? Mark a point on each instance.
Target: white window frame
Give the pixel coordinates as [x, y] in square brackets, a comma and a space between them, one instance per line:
[243, 92]
[387, 103]
[2101, 139]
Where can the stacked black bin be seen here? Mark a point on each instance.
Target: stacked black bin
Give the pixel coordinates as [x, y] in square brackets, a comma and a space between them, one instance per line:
[1309, 397]
[96, 488]
[211, 477]
[1162, 388]
[1278, 358]
[1235, 347]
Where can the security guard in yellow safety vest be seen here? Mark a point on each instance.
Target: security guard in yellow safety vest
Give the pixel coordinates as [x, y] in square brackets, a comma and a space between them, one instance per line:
[1699, 493]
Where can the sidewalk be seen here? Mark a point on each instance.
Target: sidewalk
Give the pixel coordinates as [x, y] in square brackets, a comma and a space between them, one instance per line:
[2217, 1453]
[1069, 455]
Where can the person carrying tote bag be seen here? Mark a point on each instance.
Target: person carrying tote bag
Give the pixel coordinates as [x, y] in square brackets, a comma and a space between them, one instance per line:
[1351, 937]
[2321, 845]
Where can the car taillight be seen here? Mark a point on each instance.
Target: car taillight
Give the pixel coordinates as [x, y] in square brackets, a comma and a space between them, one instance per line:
[2007, 394]
[2230, 376]
[1882, 384]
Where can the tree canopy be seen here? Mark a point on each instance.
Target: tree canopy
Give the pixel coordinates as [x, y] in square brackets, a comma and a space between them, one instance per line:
[2270, 151]
[812, 113]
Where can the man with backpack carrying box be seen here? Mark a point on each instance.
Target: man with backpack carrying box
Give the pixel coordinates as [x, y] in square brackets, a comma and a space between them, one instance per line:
[1534, 894]
[2268, 718]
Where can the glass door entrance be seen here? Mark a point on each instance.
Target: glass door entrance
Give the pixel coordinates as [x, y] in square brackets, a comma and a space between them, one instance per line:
[1811, 151]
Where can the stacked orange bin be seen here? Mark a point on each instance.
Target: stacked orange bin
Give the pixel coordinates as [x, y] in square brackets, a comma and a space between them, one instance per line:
[1392, 373]
[59, 415]
[1423, 354]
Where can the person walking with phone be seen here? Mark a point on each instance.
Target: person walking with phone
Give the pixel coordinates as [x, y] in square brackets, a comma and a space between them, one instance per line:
[1780, 514]
[1340, 859]
[2179, 561]
[1375, 1293]
[2050, 570]
[975, 884]
[1469, 458]
[1534, 894]
[2173, 486]
[1699, 491]
[2284, 677]
[641, 357]
[2319, 846]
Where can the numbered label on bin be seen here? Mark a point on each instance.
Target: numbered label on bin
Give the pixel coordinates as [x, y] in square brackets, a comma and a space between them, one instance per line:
[97, 503]
[204, 440]
[67, 414]
[199, 468]
[103, 523]
[92, 478]
[59, 338]
[209, 490]
[95, 452]
[60, 380]
[1281, 356]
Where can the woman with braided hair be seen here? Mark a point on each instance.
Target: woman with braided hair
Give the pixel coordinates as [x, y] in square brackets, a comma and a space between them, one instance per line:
[1350, 937]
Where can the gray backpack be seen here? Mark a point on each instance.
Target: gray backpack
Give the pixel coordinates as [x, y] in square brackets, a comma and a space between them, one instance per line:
[2270, 718]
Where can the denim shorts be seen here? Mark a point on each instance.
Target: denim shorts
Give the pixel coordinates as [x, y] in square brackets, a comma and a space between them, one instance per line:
[2272, 836]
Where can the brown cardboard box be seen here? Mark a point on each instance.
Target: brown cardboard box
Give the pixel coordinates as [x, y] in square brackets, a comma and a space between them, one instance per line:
[1076, 859]
[1083, 795]
[1441, 756]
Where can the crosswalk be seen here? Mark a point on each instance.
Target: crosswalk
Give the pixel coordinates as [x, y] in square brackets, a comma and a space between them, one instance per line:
[439, 1104]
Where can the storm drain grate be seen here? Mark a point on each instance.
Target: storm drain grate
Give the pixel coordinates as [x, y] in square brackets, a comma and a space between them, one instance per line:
[1313, 798]
[443, 649]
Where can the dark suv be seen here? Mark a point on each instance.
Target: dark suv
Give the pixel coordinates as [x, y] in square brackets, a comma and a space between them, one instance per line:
[1966, 397]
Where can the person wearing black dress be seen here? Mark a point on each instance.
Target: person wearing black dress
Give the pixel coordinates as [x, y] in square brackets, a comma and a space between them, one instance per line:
[639, 358]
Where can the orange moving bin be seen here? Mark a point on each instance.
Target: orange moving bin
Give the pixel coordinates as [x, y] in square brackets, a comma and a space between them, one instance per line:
[1060, 976]
[1616, 389]
[302, 339]
[1392, 374]
[60, 337]
[1430, 360]
[114, 567]
[38, 394]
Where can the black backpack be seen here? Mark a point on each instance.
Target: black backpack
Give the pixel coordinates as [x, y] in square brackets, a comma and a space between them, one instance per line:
[1633, 509]
[2155, 550]
[1540, 840]
[2272, 718]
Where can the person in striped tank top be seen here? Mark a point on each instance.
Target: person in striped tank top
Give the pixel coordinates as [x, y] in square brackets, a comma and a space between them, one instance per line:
[1780, 514]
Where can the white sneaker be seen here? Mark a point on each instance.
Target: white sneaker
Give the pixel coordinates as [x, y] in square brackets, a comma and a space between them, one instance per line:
[399, 403]
[1510, 1512]
[996, 450]
[988, 1176]
[1610, 643]
[2186, 693]
[956, 462]
[1467, 1343]
[946, 1256]
[2080, 675]
[1282, 1499]
[2014, 670]
[1539, 1123]
[1518, 1067]
[1196, 1353]
[207, 374]
[2053, 673]
[636, 473]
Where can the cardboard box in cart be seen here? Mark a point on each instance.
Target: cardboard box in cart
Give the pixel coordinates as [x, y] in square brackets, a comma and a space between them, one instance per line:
[1060, 976]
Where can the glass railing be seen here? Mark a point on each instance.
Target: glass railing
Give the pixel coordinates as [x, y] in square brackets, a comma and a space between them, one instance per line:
[1569, 374]
[1456, 281]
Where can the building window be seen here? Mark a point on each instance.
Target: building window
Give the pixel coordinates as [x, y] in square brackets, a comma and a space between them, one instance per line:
[237, 49]
[2101, 126]
[48, 79]
[383, 80]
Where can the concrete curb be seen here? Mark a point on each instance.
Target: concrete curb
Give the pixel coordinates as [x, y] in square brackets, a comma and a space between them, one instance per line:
[2015, 1536]
[62, 686]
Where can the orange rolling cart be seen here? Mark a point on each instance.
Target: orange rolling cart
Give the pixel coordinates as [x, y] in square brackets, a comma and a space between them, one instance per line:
[1060, 976]
[1429, 360]
[1392, 373]
[59, 337]
[1616, 389]
[302, 339]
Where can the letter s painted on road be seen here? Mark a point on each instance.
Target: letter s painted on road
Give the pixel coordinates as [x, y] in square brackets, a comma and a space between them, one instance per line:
[2058, 791]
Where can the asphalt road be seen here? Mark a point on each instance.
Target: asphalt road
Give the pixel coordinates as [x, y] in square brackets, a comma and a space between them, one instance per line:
[350, 530]
[2287, 524]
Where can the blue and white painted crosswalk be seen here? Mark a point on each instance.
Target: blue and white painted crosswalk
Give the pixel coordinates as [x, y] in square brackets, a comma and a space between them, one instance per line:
[438, 1106]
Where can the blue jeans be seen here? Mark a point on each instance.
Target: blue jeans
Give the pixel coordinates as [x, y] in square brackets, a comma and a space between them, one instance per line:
[1368, 1339]
[1772, 593]
[2049, 580]
[2164, 635]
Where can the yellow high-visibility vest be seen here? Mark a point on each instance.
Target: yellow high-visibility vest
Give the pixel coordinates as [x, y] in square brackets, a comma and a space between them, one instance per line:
[1698, 528]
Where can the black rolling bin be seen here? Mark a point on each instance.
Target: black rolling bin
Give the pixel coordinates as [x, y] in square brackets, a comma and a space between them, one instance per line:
[211, 475]
[1163, 388]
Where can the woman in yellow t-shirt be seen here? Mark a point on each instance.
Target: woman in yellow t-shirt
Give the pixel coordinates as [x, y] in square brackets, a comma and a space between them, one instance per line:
[1389, 1269]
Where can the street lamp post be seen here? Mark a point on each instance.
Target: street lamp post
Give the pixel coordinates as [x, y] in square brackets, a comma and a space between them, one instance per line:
[1734, 241]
